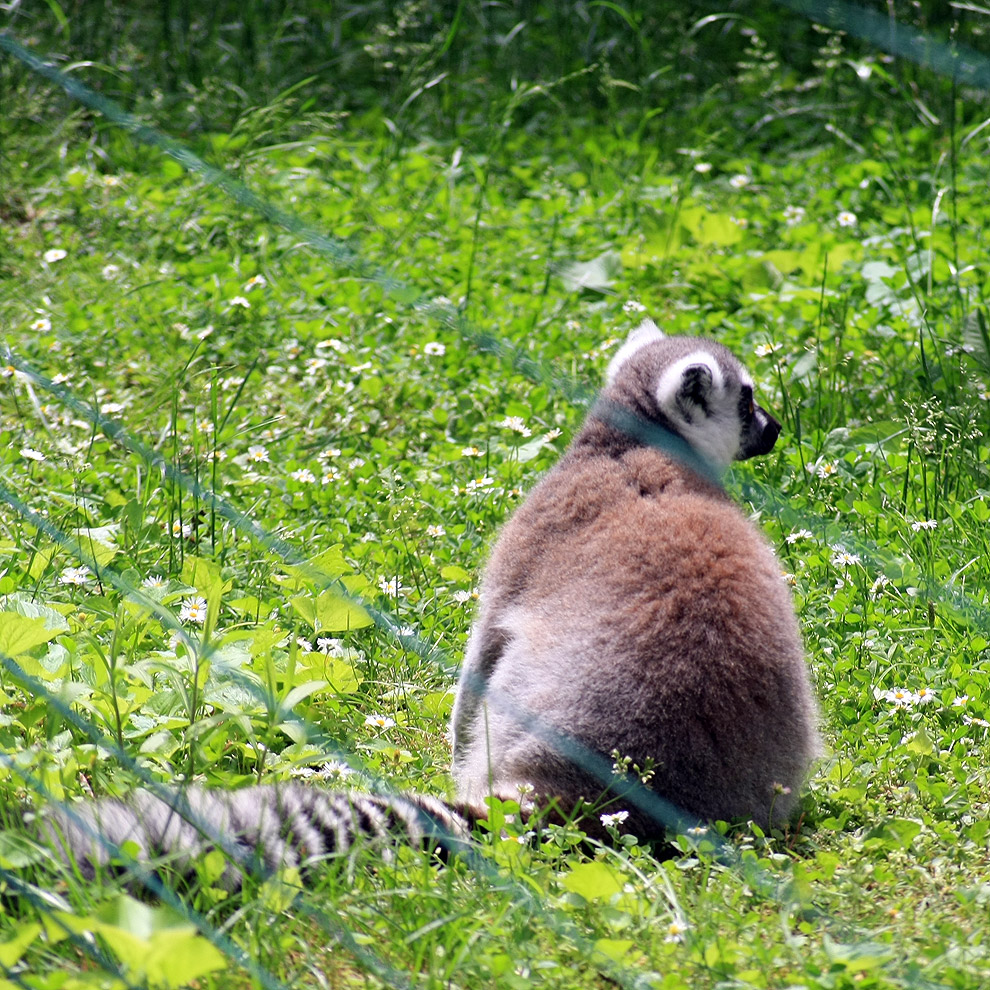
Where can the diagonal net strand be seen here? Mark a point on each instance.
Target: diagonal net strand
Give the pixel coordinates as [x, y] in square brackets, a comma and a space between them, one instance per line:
[148, 879]
[960, 63]
[141, 872]
[325, 245]
[593, 762]
[337, 251]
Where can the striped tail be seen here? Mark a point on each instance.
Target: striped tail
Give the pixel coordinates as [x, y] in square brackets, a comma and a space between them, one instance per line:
[259, 829]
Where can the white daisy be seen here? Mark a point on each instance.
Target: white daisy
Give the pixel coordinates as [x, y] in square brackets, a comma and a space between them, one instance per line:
[193, 610]
[615, 819]
[379, 721]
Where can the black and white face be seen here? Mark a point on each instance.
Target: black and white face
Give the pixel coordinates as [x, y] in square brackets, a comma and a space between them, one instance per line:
[702, 391]
[759, 429]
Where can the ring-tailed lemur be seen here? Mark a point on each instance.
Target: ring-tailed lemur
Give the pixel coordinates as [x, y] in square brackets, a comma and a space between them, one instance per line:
[628, 607]
[631, 606]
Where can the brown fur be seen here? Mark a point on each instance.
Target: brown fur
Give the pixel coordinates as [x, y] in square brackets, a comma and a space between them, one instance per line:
[631, 606]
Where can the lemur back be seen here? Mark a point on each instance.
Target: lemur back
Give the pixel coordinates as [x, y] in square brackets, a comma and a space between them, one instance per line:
[629, 605]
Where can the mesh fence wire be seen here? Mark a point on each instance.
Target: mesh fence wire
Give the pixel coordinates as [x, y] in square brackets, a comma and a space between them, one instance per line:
[967, 66]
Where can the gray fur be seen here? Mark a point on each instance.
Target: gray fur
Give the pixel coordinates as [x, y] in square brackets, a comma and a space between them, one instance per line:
[631, 606]
[260, 829]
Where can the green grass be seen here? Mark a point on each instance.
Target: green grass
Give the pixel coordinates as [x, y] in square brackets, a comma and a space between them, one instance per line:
[378, 409]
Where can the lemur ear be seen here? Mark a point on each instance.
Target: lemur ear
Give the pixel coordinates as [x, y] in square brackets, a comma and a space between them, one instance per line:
[646, 333]
[645, 329]
[696, 385]
[686, 389]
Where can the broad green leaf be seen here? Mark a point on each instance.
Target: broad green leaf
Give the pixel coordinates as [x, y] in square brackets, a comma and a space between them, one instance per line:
[19, 634]
[593, 881]
[337, 613]
[331, 611]
[875, 271]
[12, 950]
[403, 294]
[437, 703]
[229, 656]
[879, 432]
[300, 693]
[305, 605]
[22, 605]
[651, 250]
[40, 563]
[17, 851]
[155, 944]
[341, 676]
[98, 543]
[614, 948]
[707, 227]
[527, 451]
[920, 744]
[250, 605]
[263, 640]
[858, 956]
[338, 673]
[895, 833]
[279, 892]
[372, 385]
[784, 261]
[356, 585]
[330, 564]
[839, 254]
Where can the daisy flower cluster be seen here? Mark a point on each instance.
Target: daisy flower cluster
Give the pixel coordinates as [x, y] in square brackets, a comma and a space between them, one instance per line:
[517, 425]
[331, 771]
[843, 558]
[903, 698]
[193, 610]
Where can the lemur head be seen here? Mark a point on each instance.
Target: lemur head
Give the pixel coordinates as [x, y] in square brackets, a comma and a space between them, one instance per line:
[695, 387]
